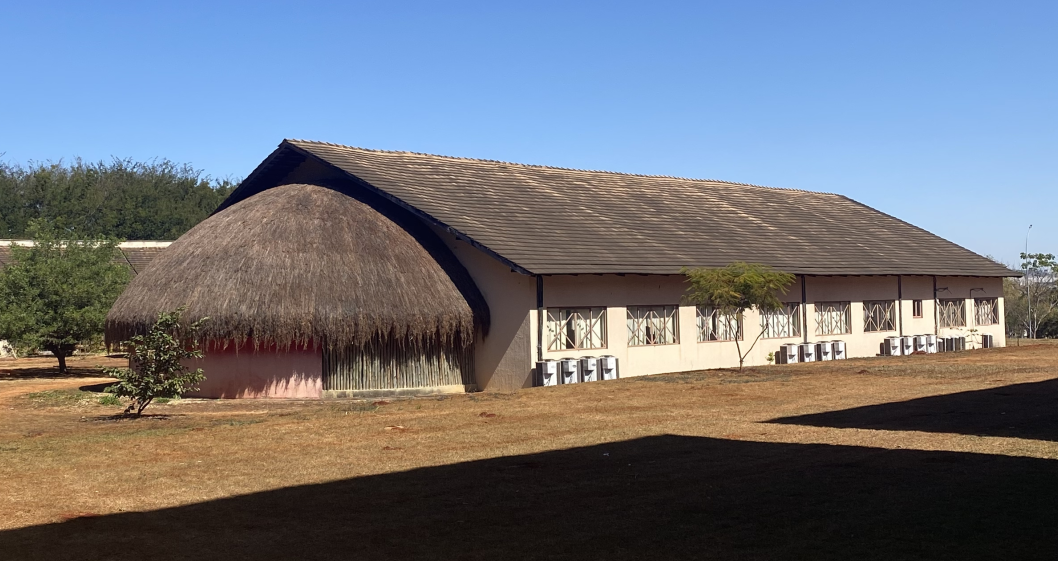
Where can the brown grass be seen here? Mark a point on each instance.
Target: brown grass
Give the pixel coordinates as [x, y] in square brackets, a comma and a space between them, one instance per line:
[918, 457]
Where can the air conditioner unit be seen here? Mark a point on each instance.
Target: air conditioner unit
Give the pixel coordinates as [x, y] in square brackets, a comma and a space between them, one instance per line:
[824, 351]
[907, 345]
[787, 354]
[570, 372]
[921, 344]
[838, 348]
[987, 341]
[960, 343]
[589, 369]
[931, 344]
[546, 373]
[808, 352]
[608, 367]
[891, 346]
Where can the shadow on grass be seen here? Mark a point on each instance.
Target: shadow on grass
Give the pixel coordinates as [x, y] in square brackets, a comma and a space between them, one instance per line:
[50, 372]
[1027, 410]
[666, 497]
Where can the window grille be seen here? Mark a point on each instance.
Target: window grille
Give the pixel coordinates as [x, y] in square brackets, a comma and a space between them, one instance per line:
[951, 313]
[916, 308]
[833, 318]
[784, 322]
[576, 328]
[653, 325]
[986, 311]
[879, 315]
[714, 325]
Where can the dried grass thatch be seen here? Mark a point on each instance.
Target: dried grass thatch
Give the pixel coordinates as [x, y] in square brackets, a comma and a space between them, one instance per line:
[307, 265]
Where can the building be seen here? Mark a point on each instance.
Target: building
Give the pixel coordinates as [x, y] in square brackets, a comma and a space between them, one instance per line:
[551, 263]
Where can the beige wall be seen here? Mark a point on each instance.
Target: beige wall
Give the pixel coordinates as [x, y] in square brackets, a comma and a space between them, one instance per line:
[512, 297]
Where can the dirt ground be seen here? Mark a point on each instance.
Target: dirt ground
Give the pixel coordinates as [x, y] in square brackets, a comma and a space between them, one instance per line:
[941, 456]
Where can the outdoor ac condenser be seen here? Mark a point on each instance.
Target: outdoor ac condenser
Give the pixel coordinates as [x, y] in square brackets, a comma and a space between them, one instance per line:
[608, 367]
[931, 344]
[987, 341]
[787, 354]
[921, 343]
[808, 352]
[589, 369]
[570, 372]
[907, 345]
[824, 350]
[546, 373]
[838, 348]
[891, 346]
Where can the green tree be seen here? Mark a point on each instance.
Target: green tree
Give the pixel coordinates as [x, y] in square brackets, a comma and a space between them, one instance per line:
[56, 294]
[157, 200]
[1041, 295]
[156, 362]
[737, 288]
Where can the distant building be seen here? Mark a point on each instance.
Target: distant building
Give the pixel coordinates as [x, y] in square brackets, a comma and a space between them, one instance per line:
[334, 270]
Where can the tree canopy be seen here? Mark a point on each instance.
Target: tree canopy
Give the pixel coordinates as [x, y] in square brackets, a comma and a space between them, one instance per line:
[56, 294]
[736, 288]
[157, 200]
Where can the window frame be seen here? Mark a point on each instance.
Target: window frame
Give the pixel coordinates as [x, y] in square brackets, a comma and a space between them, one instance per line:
[993, 311]
[711, 321]
[845, 308]
[917, 309]
[947, 305]
[664, 319]
[888, 309]
[559, 319]
[792, 313]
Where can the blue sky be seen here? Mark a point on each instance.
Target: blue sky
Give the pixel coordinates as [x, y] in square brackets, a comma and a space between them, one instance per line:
[944, 114]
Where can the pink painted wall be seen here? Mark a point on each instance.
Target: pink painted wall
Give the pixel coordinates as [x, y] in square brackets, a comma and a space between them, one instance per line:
[267, 372]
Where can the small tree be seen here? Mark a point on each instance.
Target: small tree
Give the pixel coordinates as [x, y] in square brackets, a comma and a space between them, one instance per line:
[1041, 272]
[156, 367]
[55, 294]
[736, 288]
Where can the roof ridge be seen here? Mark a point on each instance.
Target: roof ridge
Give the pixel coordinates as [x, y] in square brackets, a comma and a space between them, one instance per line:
[560, 168]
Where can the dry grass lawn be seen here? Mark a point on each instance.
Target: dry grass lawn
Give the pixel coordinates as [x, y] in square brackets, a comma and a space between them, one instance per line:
[943, 456]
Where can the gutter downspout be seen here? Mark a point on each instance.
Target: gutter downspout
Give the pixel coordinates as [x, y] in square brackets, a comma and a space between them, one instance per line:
[900, 302]
[804, 309]
[539, 318]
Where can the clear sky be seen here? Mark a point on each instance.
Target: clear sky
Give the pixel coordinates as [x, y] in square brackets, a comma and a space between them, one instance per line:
[944, 114]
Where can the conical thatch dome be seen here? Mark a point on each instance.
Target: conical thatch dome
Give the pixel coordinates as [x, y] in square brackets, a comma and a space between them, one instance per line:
[307, 265]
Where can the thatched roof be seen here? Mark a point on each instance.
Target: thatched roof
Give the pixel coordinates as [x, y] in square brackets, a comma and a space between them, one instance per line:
[305, 265]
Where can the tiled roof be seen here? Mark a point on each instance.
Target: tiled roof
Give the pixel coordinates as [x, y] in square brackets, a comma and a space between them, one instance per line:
[547, 220]
[136, 254]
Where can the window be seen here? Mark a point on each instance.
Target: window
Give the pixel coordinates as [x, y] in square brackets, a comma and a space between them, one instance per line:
[833, 318]
[986, 311]
[951, 313]
[576, 328]
[916, 308]
[713, 325]
[879, 315]
[784, 322]
[653, 325]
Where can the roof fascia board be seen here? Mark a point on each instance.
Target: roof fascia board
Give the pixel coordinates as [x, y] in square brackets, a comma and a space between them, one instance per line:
[414, 210]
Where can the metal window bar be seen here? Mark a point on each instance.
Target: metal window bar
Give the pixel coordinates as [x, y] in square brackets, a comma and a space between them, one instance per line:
[986, 311]
[576, 328]
[714, 325]
[952, 313]
[784, 322]
[879, 315]
[833, 318]
[653, 325]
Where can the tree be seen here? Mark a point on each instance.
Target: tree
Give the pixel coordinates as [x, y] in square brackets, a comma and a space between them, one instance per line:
[156, 363]
[55, 294]
[1041, 271]
[737, 288]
